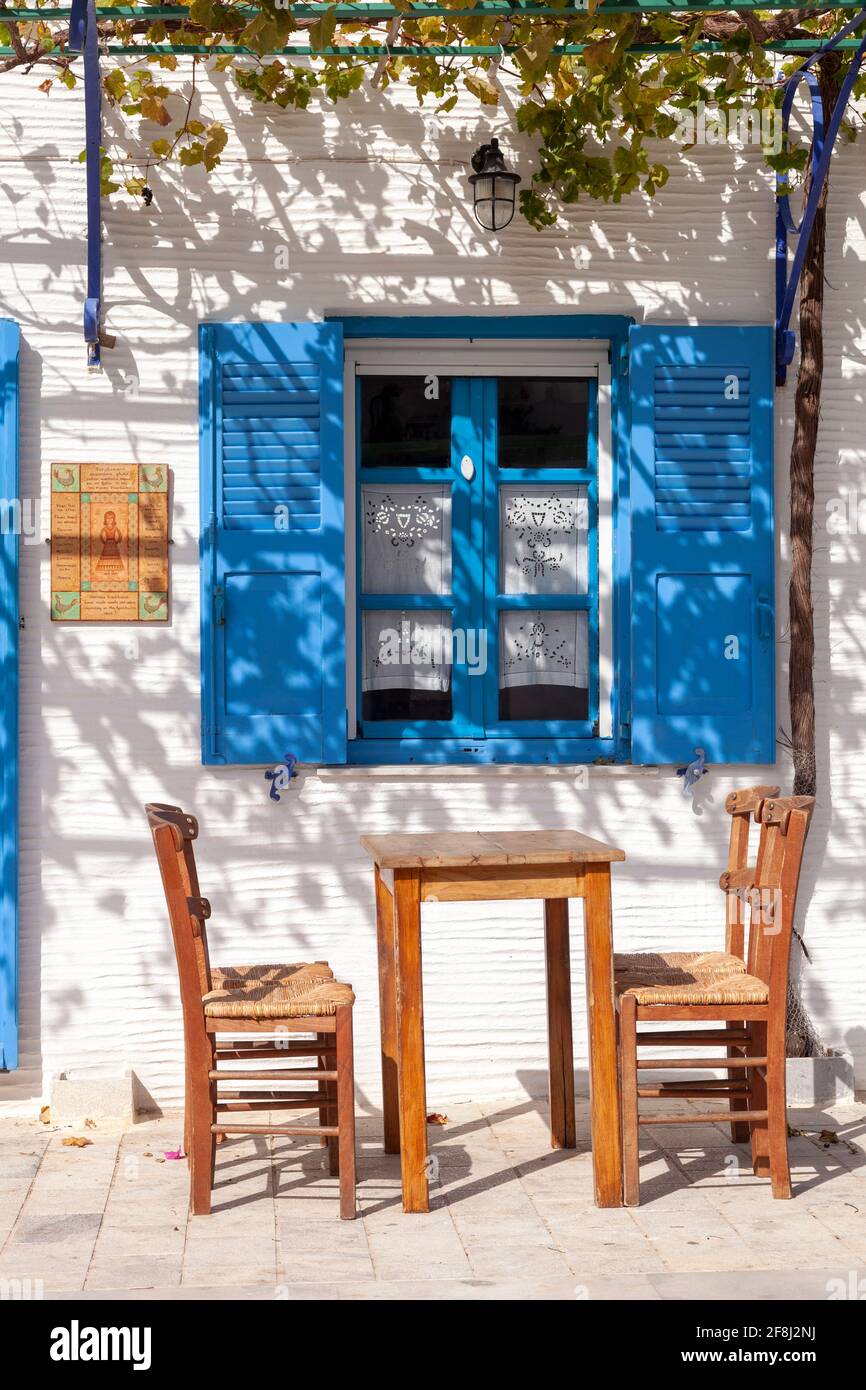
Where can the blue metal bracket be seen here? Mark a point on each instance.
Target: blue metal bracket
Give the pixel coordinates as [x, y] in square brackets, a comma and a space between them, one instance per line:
[823, 139]
[280, 776]
[84, 37]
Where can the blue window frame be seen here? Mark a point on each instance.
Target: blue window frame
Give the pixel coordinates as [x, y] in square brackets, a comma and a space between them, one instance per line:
[477, 730]
[476, 603]
[681, 497]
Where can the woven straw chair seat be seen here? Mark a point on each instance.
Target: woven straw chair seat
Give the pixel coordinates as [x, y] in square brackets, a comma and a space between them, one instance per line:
[643, 963]
[709, 985]
[301, 991]
[242, 976]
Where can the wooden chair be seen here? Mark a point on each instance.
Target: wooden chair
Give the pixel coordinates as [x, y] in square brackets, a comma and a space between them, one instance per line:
[740, 805]
[254, 999]
[748, 996]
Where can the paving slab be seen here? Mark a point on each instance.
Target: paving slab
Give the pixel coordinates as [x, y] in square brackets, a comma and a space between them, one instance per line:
[509, 1219]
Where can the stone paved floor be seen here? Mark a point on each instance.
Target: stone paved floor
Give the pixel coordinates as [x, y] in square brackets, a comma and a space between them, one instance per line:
[510, 1218]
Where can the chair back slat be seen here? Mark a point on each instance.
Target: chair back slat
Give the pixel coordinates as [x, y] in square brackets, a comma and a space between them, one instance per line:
[185, 828]
[763, 899]
[784, 826]
[740, 806]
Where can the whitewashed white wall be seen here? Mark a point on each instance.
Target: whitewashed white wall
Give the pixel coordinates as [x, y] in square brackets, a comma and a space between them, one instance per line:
[372, 205]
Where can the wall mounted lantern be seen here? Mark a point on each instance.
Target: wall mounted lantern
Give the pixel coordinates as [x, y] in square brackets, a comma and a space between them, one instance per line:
[494, 187]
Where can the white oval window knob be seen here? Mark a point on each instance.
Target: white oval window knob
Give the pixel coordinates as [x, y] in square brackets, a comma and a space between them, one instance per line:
[467, 468]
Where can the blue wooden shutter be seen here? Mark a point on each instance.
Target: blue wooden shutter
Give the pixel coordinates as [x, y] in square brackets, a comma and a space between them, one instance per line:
[702, 622]
[9, 346]
[273, 571]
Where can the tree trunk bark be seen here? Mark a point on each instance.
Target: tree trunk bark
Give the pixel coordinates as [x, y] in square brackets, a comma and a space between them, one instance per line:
[802, 1039]
[807, 410]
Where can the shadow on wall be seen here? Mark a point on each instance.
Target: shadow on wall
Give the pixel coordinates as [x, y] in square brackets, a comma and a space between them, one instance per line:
[123, 731]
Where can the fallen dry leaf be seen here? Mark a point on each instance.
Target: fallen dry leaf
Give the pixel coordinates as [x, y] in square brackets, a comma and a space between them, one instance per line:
[45, 1114]
[147, 1154]
[75, 1141]
[437, 1119]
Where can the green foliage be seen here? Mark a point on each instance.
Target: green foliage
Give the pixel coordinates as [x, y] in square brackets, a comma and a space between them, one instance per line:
[603, 123]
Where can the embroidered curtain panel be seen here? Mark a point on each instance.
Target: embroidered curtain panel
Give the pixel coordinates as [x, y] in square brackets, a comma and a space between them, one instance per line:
[543, 535]
[407, 651]
[543, 549]
[407, 539]
[542, 647]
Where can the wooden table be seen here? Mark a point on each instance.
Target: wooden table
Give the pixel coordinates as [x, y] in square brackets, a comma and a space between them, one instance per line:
[553, 865]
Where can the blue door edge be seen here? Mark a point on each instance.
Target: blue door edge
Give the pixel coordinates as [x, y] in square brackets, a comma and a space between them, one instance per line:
[9, 620]
[207, 539]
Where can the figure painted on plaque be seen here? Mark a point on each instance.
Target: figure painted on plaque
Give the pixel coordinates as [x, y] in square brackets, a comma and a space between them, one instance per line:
[109, 561]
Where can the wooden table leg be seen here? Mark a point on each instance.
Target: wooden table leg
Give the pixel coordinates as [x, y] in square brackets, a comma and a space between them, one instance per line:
[387, 1012]
[410, 1041]
[559, 1041]
[601, 1008]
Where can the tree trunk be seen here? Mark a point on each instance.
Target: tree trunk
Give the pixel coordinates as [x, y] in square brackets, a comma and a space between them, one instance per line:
[807, 410]
[802, 1039]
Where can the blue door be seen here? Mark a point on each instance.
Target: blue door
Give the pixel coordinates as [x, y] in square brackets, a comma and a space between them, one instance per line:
[9, 338]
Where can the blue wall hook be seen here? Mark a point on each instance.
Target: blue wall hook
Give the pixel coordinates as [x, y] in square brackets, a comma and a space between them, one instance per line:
[693, 771]
[281, 775]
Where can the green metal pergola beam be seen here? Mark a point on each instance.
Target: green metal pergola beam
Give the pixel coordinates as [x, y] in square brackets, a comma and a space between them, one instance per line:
[483, 9]
[373, 52]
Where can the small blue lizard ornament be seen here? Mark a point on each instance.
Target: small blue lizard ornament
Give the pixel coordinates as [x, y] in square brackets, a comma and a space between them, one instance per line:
[281, 775]
[693, 771]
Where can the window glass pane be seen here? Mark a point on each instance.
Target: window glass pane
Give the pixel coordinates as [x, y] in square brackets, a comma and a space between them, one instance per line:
[543, 422]
[407, 665]
[543, 536]
[406, 539]
[543, 665]
[405, 421]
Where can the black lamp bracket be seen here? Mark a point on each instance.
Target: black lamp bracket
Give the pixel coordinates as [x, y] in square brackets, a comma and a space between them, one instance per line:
[488, 159]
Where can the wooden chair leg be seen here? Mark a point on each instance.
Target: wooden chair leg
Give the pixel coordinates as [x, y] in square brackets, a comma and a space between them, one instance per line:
[628, 1075]
[777, 1118]
[757, 1047]
[187, 1108]
[346, 1111]
[324, 1064]
[202, 1150]
[323, 1109]
[331, 1111]
[740, 1131]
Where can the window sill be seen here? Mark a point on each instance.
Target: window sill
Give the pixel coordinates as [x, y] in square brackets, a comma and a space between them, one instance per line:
[474, 771]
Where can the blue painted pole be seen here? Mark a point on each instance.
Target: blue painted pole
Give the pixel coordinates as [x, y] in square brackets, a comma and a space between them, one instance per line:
[84, 36]
[823, 140]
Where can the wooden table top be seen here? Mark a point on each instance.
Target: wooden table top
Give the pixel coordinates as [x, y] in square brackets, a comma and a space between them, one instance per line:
[482, 849]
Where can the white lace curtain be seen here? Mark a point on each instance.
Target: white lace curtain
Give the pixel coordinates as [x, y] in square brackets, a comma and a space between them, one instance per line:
[542, 647]
[407, 539]
[543, 535]
[406, 651]
[543, 549]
